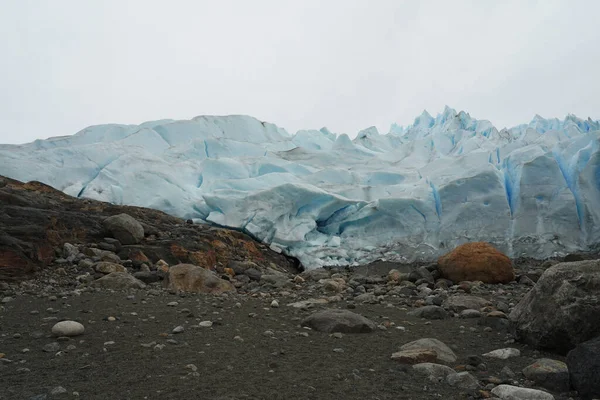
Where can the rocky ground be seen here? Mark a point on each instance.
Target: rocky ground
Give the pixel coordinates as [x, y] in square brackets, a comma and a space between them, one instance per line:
[250, 344]
[159, 308]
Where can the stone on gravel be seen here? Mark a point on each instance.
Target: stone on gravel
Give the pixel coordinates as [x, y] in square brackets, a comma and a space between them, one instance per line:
[108, 267]
[458, 303]
[429, 312]
[191, 278]
[509, 392]
[118, 281]
[125, 228]
[495, 321]
[334, 320]
[433, 372]
[443, 352]
[178, 329]
[68, 328]
[275, 280]
[503, 354]
[366, 298]
[478, 261]
[316, 274]
[463, 380]
[549, 374]
[308, 303]
[70, 251]
[470, 313]
[58, 391]
[51, 347]
[415, 356]
[584, 368]
[562, 309]
[333, 285]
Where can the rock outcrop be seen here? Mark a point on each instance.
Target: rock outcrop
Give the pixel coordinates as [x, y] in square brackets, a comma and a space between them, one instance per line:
[36, 220]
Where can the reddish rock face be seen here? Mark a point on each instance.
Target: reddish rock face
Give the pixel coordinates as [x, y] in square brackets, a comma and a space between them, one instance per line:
[478, 261]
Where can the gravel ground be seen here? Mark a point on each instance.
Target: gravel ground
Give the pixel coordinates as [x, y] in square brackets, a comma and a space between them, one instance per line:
[251, 351]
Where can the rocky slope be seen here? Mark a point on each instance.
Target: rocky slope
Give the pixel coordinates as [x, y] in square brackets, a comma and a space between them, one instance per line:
[36, 220]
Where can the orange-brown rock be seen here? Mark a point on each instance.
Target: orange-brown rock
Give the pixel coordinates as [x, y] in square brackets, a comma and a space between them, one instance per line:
[192, 278]
[478, 261]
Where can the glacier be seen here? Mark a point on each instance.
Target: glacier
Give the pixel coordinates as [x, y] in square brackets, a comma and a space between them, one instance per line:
[411, 194]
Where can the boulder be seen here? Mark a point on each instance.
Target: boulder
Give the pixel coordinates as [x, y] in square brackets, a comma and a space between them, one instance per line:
[334, 320]
[584, 368]
[108, 267]
[434, 372]
[68, 328]
[125, 228]
[415, 356]
[549, 374]
[463, 380]
[562, 309]
[458, 303]
[477, 261]
[444, 353]
[118, 281]
[503, 354]
[316, 274]
[191, 278]
[509, 392]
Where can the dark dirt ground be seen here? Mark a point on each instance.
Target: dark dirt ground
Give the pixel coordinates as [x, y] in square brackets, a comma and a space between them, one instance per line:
[282, 366]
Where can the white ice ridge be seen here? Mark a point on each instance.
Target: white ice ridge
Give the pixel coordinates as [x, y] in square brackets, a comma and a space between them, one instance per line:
[532, 190]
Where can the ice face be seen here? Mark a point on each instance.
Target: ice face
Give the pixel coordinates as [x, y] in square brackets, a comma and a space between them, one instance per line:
[414, 193]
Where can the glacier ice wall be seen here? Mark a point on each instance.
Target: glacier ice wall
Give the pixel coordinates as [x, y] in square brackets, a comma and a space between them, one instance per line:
[532, 190]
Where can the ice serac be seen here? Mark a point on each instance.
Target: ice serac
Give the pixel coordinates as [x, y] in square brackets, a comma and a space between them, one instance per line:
[413, 193]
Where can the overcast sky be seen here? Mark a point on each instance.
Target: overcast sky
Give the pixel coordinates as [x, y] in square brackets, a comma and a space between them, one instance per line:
[347, 65]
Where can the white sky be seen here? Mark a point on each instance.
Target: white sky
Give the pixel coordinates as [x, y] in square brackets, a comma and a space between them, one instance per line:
[344, 64]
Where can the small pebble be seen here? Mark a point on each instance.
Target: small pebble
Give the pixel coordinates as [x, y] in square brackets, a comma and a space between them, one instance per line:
[178, 329]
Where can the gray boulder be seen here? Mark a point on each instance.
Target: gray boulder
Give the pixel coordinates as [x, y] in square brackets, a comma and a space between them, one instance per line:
[434, 372]
[334, 320]
[458, 303]
[118, 281]
[125, 228]
[444, 353]
[562, 309]
[509, 392]
[584, 368]
[549, 374]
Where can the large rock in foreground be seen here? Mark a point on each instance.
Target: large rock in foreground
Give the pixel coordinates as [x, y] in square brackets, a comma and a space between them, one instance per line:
[191, 278]
[584, 368]
[562, 309]
[334, 320]
[125, 228]
[477, 261]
